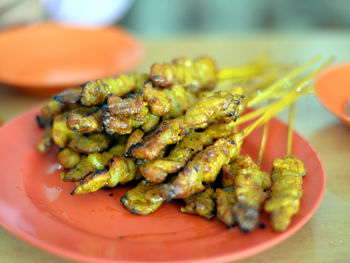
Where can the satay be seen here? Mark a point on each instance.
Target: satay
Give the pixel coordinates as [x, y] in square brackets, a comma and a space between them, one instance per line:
[61, 134]
[250, 182]
[247, 180]
[250, 186]
[197, 74]
[197, 116]
[240, 200]
[215, 129]
[158, 169]
[176, 104]
[286, 192]
[167, 132]
[123, 115]
[96, 92]
[204, 168]
[206, 165]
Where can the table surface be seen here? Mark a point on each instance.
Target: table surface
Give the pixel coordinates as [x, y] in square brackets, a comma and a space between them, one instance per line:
[326, 237]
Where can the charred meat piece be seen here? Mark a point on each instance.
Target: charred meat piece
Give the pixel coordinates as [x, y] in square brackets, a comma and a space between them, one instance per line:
[61, 135]
[121, 124]
[145, 198]
[69, 96]
[221, 103]
[121, 170]
[158, 169]
[172, 131]
[133, 139]
[127, 106]
[158, 101]
[250, 186]
[150, 122]
[170, 103]
[230, 171]
[168, 132]
[52, 108]
[85, 123]
[92, 163]
[198, 74]
[96, 92]
[225, 202]
[46, 142]
[91, 143]
[123, 115]
[204, 168]
[202, 204]
[68, 158]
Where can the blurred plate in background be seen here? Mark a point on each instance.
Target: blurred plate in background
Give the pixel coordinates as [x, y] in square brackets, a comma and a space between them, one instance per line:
[46, 58]
[333, 91]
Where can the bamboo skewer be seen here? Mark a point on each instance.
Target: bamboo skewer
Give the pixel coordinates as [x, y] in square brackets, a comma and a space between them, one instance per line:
[263, 142]
[285, 81]
[290, 128]
[255, 68]
[256, 113]
[290, 98]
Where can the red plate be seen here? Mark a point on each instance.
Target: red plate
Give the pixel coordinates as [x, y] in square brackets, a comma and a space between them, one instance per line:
[45, 58]
[37, 207]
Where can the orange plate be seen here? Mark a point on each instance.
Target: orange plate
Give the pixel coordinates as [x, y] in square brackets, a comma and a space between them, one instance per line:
[36, 206]
[46, 58]
[333, 90]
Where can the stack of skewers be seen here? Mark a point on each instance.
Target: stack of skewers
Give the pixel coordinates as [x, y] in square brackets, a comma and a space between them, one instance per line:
[175, 133]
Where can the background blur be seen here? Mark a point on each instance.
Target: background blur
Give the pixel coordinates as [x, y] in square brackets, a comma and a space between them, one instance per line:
[157, 18]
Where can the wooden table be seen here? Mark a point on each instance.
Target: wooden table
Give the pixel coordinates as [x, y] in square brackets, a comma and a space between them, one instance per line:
[326, 237]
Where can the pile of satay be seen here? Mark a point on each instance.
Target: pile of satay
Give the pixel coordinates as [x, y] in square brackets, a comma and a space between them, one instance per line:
[175, 134]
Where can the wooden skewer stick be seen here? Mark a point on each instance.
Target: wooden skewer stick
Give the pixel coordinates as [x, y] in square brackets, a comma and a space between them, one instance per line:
[290, 98]
[290, 128]
[254, 114]
[263, 142]
[285, 81]
[255, 68]
[258, 112]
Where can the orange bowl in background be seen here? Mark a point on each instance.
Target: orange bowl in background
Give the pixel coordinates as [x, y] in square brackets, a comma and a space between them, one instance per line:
[333, 90]
[45, 58]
